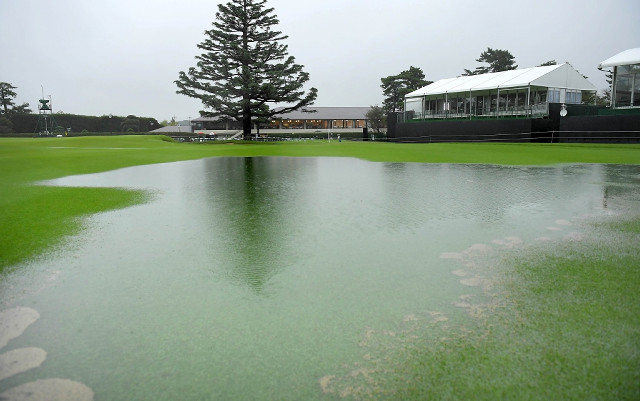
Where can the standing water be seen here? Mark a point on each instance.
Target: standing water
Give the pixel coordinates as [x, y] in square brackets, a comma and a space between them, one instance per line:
[270, 278]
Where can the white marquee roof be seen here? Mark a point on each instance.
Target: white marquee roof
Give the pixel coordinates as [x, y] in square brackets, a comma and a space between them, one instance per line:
[631, 56]
[553, 76]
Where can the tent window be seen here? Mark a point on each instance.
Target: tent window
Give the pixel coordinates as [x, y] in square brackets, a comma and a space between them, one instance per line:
[623, 90]
[414, 106]
[480, 105]
[573, 97]
[627, 86]
[554, 96]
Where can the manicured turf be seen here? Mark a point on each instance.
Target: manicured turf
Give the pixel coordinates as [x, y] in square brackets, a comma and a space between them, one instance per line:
[569, 325]
[34, 219]
[568, 329]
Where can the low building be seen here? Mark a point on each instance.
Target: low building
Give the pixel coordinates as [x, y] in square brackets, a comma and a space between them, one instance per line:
[306, 120]
[174, 129]
[323, 118]
[625, 88]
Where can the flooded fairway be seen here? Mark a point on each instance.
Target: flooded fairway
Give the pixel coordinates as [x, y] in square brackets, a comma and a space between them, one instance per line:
[278, 278]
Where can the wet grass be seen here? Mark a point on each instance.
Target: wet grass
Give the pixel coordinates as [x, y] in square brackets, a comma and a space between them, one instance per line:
[34, 219]
[569, 330]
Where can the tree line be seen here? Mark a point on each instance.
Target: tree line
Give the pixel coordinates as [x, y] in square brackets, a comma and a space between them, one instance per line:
[21, 119]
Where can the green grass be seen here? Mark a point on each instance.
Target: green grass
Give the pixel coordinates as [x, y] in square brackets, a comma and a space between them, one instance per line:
[569, 327]
[35, 219]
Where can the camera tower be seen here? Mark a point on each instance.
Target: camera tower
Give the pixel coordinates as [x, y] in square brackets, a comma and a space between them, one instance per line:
[46, 123]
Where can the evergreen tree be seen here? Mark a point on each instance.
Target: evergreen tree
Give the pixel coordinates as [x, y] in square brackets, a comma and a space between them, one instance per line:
[376, 118]
[498, 60]
[395, 87]
[245, 67]
[7, 94]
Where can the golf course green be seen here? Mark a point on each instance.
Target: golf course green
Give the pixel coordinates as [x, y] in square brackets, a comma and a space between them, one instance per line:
[563, 322]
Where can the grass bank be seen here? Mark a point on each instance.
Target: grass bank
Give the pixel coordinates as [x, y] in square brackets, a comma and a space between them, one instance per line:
[568, 328]
[34, 219]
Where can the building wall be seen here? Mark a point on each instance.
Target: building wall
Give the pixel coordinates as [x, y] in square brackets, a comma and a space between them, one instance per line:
[582, 124]
[513, 130]
[600, 129]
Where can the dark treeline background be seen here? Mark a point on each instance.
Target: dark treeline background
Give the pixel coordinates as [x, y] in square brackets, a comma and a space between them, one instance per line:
[28, 123]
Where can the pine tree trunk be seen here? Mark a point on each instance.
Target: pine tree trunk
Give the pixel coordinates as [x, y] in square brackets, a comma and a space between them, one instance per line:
[246, 127]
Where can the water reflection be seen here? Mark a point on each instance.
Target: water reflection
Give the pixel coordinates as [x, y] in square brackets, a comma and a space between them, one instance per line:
[250, 204]
[252, 278]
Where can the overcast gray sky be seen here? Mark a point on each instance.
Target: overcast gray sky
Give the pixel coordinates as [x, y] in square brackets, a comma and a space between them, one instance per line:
[121, 56]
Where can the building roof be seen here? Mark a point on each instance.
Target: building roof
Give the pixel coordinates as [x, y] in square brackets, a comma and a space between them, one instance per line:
[173, 129]
[327, 113]
[631, 56]
[316, 113]
[552, 76]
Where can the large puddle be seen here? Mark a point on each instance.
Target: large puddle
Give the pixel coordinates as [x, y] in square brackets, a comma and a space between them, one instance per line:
[269, 278]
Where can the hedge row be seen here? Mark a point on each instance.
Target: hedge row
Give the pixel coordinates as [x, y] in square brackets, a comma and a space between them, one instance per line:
[78, 123]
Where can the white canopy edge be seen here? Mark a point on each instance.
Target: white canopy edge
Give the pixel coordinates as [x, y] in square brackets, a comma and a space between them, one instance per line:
[631, 56]
[553, 76]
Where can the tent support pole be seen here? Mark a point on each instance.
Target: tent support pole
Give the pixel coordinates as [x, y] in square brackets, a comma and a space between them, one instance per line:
[446, 105]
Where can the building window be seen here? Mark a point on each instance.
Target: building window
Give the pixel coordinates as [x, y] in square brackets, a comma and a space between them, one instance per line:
[623, 91]
[414, 106]
[627, 86]
[479, 105]
[314, 124]
[573, 97]
[554, 96]
[636, 90]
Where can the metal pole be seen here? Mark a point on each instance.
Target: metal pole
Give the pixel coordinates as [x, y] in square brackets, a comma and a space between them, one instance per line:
[612, 102]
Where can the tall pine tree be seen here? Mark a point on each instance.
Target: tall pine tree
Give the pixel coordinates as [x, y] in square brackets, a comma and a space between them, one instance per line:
[7, 94]
[395, 87]
[498, 60]
[244, 67]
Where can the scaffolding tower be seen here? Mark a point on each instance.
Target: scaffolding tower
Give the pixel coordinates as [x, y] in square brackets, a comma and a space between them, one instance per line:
[46, 123]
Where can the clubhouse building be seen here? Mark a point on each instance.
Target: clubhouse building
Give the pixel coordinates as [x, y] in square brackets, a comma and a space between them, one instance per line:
[306, 120]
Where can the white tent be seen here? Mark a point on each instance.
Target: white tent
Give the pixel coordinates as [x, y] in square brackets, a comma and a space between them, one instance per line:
[562, 76]
[625, 89]
[627, 57]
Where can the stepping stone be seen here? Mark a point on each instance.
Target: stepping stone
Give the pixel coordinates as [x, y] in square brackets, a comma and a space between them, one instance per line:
[20, 360]
[14, 321]
[49, 390]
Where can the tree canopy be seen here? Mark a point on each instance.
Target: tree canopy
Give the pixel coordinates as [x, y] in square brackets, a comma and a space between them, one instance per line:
[376, 117]
[7, 102]
[7, 94]
[498, 60]
[395, 87]
[245, 67]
